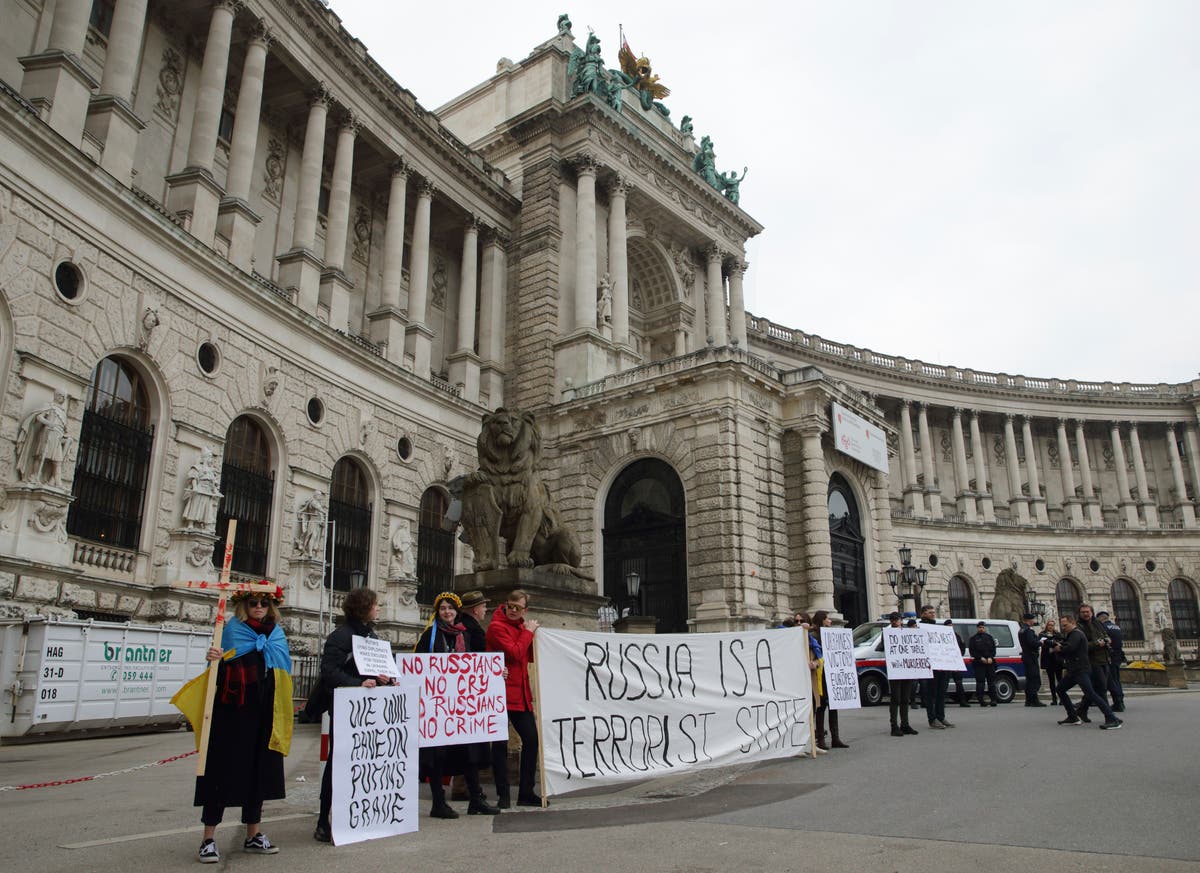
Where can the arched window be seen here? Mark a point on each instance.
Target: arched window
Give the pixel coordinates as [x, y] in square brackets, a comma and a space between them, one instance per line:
[350, 509]
[1127, 610]
[1184, 614]
[115, 441]
[846, 546]
[435, 547]
[962, 601]
[1067, 597]
[247, 489]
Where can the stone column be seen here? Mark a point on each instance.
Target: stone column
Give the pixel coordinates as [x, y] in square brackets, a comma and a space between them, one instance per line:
[55, 80]
[618, 260]
[387, 322]
[1036, 500]
[1192, 443]
[464, 363]
[110, 117]
[1071, 503]
[817, 551]
[1149, 508]
[300, 268]
[236, 221]
[927, 461]
[1185, 511]
[737, 303]
[1128, 506]
[1016, 499]
[914, 497]
[986, 505]
[336, 286]
[419, 341]
[492, 290]
[194, 192]
[963, 498]
[1095, 517]
[585, 243]
[714, 302]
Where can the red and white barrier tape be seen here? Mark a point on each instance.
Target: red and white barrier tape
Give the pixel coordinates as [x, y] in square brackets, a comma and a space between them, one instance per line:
[58, 782]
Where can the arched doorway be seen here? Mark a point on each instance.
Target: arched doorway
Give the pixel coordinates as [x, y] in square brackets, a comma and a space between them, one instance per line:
[645, 533]
[846, 545]
[962, 600]
[1067, 597]
[247, 488]
[350, 508]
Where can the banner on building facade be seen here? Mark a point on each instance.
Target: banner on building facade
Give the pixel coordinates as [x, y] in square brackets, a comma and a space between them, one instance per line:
[941, 644]
[615, 708]
[904, 649]
[841, 673]
[461, 696]
[855, 436]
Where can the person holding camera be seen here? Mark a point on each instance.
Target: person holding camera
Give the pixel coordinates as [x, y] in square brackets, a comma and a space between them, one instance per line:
[1099, 652]
[1077, 665]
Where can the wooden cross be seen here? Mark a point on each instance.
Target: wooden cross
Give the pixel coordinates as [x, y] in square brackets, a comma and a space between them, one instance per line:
[223, 587]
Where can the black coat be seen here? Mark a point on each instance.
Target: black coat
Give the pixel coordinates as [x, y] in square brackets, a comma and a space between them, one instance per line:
[1050, 659]
[476, 636]
[982, 645]
[1075, 652]
[1030, 644]
[1097, 640]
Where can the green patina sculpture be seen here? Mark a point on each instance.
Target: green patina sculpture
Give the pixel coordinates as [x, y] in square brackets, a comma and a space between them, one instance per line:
[705, 163]
[685, 125]
[731, 185]
[564, 25]
[586, 71]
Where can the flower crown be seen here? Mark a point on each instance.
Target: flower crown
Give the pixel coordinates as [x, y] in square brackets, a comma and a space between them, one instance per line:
[451, 596]
[276, 595]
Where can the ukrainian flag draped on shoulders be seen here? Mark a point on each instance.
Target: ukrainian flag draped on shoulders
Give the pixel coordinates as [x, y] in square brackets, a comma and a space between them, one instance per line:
[240, 639]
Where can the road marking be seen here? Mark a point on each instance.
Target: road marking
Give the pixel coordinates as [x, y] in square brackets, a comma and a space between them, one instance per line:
[108, 841]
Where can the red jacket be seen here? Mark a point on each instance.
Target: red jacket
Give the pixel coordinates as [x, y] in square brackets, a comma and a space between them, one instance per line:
[511, 638]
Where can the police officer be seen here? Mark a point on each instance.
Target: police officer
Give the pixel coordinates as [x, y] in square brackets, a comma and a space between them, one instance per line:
[1031, 648]
[1116, 657]
[983, 662]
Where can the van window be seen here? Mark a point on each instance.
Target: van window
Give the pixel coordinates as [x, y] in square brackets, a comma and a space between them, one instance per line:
[868, 633]
[1003, 635]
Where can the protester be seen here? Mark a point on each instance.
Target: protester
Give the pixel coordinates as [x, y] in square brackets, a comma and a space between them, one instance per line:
[959, 693]
[1116, 657]
[447, 634]
[1098, 656]
[821, 619]
[471, 615]
[512, 633]
[1051, 660]
[933, 691]
[1077, 665]
[338, 670]
[899, 696]
[983, 663]
[251, 728]
[1030, 648]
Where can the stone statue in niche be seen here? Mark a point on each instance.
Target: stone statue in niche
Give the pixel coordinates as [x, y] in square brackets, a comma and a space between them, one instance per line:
[201, 495]
[404, 555]
[604, 301]
[312, 526]
[43, 444]
[150, 320]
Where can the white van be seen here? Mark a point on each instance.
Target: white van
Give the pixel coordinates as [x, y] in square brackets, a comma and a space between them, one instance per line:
[872, 668]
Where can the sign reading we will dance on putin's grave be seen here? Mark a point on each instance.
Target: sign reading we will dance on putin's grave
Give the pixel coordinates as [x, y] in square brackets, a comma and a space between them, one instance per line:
[633, 706]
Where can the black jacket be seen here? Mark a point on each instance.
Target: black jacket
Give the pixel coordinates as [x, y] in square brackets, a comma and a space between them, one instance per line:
[1116, 644]
[337, 661]
[476, 636]
[1030, 645]
[1050, 658]
[1075, 652]
[1097, 639]
[983, 645]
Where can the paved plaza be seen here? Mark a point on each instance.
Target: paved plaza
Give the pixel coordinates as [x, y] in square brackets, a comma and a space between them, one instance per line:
[1006, 790]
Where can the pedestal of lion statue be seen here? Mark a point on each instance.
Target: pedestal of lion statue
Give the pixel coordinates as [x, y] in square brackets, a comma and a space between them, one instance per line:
[556, 600]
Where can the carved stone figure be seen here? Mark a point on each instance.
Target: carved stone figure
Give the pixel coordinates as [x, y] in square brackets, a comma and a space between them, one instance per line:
[150, 320]
[312, 526]
[201, 495]
[42, 444]
[1009, 601]
[586, 72]
[507, 498]
[1171, 650]
[1160, 615]
[604, 301]
[404, 555]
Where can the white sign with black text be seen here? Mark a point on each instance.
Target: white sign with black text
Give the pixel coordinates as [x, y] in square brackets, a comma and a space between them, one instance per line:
[941, 644]
[374, 657]
[904, 649]
[841, 674]
[855, 436]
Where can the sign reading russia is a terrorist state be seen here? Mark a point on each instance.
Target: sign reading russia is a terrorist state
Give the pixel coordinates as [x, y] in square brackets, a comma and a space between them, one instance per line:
[619, 708]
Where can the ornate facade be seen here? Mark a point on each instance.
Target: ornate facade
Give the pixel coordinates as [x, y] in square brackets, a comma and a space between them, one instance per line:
[245, 275]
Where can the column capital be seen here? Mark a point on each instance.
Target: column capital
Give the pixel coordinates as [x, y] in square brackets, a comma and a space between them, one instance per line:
[713, 252]
[234, 6]
[585, 164]
[1062, 423]
[620, 186]
[473, 224]
[1116, 425]
[1171, 426]
[922, 406]
[975, 414]
[906, 403]
[493, 236]
[262, 34]
[320, 95]
[958, 413]
[426, 188]
[1132, 427]
[349, 122]
[1008, 418]
[400, 167]
[736, 265]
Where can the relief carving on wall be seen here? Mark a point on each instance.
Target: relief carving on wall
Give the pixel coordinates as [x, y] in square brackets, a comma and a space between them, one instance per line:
[170, 84]
[438, 280]
[362, 234]
[273, 169]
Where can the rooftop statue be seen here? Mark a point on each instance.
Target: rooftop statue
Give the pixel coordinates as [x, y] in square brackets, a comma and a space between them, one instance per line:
[586, 72]
[705, 163]
[685, 125]
[635, 73]
[731, 185]
[564, 25]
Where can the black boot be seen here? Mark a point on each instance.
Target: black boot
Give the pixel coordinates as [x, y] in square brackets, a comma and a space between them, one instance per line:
[821, 744]
[442, 810]
[479, 806]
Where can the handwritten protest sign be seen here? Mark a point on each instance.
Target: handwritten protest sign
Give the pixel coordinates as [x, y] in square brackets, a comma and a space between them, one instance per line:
[374, 657]
[904, 649]
[374, 763]
[462, 696]
[618, 708]
[841, 674]
[941, 644]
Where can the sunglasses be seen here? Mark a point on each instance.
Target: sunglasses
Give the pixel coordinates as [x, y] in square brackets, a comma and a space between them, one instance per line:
[515, 607]
[254, 603]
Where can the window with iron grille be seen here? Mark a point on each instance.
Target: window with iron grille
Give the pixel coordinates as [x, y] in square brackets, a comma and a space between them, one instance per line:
[1128, 610]
[1184, 614]
[349, 550]
[435, 547]
[1067, 597]
[962, 601]
[113, 459]
[247, 490]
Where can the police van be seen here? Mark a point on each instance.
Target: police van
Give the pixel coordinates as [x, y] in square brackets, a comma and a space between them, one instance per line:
[872, 668]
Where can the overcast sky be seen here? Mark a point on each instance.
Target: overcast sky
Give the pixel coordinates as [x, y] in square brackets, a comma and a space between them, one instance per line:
[1011, 186]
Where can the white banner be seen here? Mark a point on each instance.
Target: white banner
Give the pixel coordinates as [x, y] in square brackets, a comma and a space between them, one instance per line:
[855, 436]
[620, 707]
[904, 649]
[374, 657]
[462, 696]
[841, 674]
[374, 765]
[941, 644]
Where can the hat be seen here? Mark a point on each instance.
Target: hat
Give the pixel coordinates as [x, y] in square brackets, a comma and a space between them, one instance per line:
[1026, 616]
[912, 622]
[1102, 614]
[472, 598]
[893, 616]
[981, 624]
[948, 622]
[276, 595]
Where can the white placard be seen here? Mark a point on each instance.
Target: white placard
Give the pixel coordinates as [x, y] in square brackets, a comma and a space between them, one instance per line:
[374, 767]
[855, 436]
[941, 644]
[841, 674]
[904, 649]
[374, 657]
[462, 696]
[615, 708]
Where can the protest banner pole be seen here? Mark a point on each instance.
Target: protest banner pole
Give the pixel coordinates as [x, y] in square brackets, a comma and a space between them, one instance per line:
[537, 718]
[812, 696]
[210, 692]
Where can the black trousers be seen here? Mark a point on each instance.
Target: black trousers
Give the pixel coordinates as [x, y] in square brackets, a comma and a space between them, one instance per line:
[1033, 679]
[900, 694]
[212, 813]
[526, 727]
[327, 781]
[985, 676]
[1053, 679]
[1099, 675]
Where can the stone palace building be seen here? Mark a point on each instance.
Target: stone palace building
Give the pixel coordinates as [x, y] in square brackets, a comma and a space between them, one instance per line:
[245, 275]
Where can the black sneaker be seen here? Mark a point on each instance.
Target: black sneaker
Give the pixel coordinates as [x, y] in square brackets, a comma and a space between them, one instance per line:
[1083, 718]
[907, 731]
[260, 845]
[1071, 722]
[896, 732]
[443, 810]
[208, 853]
[528, 800]
[1112, 725]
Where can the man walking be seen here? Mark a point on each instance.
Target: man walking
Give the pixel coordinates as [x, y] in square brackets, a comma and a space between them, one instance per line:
[899, 696]
[1098, 654]
[1077, 670]
[983, 662]
[1116, 657]
[1031, 648]
[933, 691]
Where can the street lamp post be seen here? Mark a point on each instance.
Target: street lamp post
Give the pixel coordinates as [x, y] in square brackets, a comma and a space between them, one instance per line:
[908, 581]
[1033, 605]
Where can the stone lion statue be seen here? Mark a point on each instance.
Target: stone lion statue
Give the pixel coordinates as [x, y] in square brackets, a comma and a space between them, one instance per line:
[1009, 602]
[507, 498]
